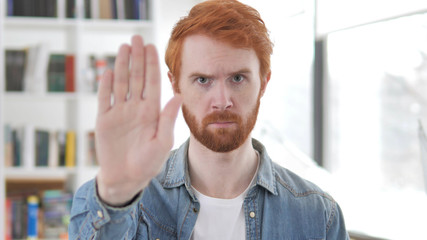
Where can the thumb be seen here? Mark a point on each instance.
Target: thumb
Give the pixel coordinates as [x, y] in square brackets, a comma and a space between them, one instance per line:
[167, 121]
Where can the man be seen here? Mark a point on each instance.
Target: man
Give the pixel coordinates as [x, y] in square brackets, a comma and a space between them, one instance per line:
[220, 184]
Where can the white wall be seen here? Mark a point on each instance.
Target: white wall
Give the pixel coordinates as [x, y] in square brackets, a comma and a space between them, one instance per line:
[169, 12]
[286, 107]
[333, 15]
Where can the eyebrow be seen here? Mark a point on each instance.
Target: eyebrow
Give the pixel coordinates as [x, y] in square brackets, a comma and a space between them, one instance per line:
[241, 71]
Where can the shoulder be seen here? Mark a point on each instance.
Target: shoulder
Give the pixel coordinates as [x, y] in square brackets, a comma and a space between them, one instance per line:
[297, 186]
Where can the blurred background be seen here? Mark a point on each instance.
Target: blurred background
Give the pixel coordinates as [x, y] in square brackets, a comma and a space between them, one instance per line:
[344, 108]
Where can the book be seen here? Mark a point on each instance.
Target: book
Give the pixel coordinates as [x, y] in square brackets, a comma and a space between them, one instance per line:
[17, 147]
[19, 219]
[129, 9]
[8, 146]
[53, 160]
[28, 146]
[70, 149]
[94, 7]
[15, 68]
[69, 73]
[61, 137]
[56, 212]
[32, 217]
[105, 9]
[88, 9]
[51, 8]
[120, 9]
[71, 8]
[31, 214]
[8, 219]
[9, 8]
[56, 73]
[32, 8]
[29, 67]
[36, 68]
[42, 148]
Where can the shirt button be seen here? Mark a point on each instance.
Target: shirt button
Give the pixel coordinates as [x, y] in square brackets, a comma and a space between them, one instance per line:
[252, 214]
[100, 215]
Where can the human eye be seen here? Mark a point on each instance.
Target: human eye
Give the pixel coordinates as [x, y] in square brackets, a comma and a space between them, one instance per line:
[202, 80]
[238, 78]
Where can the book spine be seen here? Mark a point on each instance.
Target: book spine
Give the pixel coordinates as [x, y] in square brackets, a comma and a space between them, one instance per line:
[8, 219]
[114, 9]
[94, 7]
[33, 209]
[42, 148]
[17, 141]
[69, 73]
[61, 136]
[9, 7]
[56, 73]
[53, 150]
[71, 8]
[70, 149]
[136, 9]
[105, 9]
[41, 68]
[8, 146]
[15, 68]
[120, 9]
[28, 147]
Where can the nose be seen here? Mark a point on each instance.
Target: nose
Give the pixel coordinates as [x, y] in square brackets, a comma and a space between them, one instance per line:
[221, 97]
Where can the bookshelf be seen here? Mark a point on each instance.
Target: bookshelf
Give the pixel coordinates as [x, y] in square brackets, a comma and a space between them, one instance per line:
[87, 40]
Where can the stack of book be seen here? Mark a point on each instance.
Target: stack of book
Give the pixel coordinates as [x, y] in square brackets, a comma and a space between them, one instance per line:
[54, 207]
[60, 73]
[35, 70]
[32, 8]
[29, 147]
[116, 9]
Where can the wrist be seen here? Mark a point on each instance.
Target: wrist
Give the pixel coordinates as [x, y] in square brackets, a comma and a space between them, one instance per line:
[116, 195]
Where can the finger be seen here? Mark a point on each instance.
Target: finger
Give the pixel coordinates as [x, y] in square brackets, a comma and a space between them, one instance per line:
[121, 74]
[137, 67]
[167, 121]
[104, 92]
[151, 90]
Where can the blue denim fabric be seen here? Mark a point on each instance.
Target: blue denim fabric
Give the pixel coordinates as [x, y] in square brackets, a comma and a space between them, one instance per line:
[280, 205]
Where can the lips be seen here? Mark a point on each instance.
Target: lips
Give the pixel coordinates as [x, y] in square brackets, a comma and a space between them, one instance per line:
[222, 124]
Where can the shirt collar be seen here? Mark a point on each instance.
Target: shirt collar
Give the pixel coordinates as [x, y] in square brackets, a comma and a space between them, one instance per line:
[177, 169]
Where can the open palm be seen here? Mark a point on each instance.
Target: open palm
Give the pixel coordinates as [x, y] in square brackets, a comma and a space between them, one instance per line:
[133, 135]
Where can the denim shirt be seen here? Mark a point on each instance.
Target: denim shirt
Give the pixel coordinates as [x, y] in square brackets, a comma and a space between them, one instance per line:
[281, 205]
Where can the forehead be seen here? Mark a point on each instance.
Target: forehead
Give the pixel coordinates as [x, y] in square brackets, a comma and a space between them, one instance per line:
[205, 54]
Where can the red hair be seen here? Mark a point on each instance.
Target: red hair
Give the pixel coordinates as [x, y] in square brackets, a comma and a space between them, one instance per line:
[228, 21]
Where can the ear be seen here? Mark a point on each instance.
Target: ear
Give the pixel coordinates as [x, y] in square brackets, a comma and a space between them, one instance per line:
[174, 83]
[264, 83]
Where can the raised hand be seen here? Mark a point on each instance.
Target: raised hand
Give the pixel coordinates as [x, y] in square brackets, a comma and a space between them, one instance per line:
[133, 136]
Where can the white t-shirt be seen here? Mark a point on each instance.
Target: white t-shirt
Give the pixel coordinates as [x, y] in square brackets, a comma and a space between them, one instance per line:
[221, 218]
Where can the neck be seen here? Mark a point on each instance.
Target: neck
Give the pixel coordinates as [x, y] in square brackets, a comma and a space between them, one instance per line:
[221, 175]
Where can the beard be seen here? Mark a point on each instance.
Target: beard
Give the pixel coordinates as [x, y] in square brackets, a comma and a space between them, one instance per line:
[222, 139]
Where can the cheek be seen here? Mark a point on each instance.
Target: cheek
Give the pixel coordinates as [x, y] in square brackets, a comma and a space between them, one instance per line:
[248, 98]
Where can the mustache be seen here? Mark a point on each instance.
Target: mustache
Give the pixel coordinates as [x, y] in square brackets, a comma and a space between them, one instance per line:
[223, 116]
